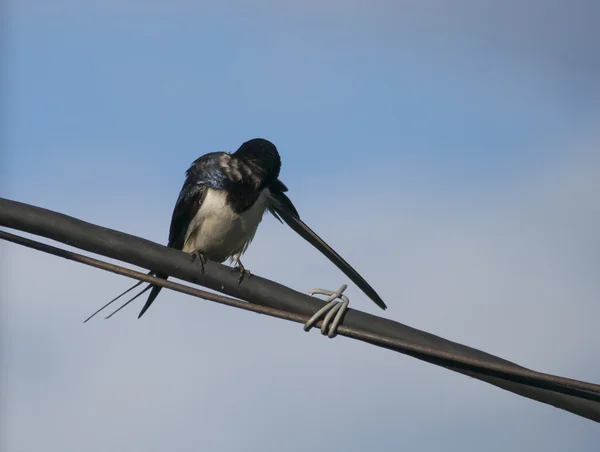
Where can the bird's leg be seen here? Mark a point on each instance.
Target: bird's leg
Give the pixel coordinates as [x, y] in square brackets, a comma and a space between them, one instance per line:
[333, 307]
[197, 256]
[240, 268]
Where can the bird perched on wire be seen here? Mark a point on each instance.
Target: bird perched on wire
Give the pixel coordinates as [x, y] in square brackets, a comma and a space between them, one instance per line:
[220, 206]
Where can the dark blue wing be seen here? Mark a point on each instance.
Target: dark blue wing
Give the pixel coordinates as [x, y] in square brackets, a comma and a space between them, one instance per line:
[188, 203]
[205, 172]
[282, 208]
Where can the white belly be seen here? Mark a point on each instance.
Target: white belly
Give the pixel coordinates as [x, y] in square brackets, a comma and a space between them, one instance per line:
[218, 232]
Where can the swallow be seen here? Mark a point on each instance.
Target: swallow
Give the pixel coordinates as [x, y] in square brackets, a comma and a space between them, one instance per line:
[220, 206]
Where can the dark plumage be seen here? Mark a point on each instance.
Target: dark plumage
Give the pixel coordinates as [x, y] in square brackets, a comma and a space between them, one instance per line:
[222, 202]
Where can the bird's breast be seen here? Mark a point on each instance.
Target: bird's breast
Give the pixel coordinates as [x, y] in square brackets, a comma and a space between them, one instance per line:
[218, 231]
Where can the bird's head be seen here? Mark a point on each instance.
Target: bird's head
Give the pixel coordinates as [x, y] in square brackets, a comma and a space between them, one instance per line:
[261, 154]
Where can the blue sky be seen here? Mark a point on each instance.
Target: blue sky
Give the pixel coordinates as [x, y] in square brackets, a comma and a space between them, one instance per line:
[459, 142]
[146, 83]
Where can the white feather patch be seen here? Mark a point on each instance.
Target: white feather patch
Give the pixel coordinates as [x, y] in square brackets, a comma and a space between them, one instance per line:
[218, 232]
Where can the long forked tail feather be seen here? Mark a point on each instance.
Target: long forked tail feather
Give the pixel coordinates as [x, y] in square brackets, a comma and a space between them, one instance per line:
[148, 287]
[115, 299]
[153, 294]
[282, 208]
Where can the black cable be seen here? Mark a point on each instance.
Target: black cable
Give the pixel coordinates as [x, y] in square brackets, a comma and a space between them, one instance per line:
[588, 391]
[565, 394]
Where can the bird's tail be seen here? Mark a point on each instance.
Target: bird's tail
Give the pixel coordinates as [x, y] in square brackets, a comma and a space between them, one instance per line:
[153, 294]
[282, 208]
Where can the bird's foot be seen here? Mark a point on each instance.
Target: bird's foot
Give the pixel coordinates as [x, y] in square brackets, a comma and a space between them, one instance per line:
[243, 272]
[333, 307]
[197, 256]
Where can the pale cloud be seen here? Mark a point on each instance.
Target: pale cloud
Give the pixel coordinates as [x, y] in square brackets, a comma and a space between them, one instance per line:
[512, 273]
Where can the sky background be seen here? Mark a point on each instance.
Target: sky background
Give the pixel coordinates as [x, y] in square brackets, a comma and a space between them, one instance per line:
[449, 150]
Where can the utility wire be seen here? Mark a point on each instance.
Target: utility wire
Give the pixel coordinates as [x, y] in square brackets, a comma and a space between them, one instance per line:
[268, 297]
[588, 391]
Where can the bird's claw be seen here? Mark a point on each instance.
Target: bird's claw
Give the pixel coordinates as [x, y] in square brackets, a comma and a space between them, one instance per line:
[332, 308]
[197, 256]
[243, 272]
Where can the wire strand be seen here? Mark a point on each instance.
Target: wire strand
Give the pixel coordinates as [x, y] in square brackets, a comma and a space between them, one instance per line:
[581, 389]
